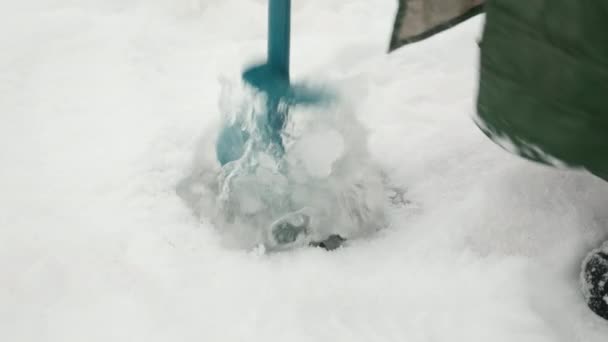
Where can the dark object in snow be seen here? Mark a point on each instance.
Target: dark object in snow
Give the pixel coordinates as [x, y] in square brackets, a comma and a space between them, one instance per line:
[594, 281]
[396, 196]
[290, 228]
[331, 243]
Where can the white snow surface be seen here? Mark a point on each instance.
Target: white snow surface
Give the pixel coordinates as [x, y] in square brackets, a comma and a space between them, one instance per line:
[102, 107]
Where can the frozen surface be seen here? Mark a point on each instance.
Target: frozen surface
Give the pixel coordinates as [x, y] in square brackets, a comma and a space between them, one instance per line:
[102, 108]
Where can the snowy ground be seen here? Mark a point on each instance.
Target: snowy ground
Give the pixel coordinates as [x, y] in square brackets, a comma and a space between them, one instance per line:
[102, 104]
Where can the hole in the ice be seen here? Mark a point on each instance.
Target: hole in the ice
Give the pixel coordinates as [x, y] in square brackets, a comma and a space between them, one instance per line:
[324, 179]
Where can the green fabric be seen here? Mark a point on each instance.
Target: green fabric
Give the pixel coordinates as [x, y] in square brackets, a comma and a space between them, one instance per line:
[544, 80]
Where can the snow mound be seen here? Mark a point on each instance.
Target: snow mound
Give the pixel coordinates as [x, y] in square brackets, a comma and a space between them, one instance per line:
[326, 171]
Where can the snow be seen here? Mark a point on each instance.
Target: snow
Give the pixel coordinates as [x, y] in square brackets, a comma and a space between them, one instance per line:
[103, 104]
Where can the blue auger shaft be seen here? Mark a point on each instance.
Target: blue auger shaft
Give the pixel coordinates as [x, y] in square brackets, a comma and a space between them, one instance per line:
[279, 27]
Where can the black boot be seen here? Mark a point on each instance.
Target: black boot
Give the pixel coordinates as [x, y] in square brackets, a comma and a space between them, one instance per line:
[594, 280]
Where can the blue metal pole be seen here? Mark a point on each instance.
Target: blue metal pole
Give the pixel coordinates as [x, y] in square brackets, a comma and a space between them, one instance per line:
[279, 26]
[271, 78]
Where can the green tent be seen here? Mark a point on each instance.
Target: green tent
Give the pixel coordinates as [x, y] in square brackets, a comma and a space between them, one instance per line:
[543, 89]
